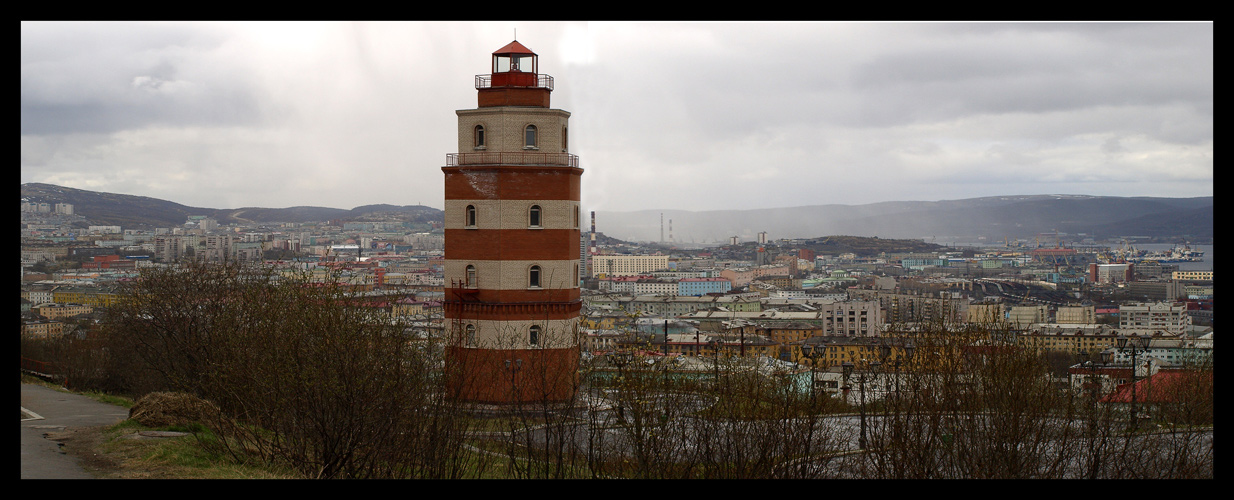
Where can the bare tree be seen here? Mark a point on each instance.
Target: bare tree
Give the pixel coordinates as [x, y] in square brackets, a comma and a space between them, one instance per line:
[304, 374]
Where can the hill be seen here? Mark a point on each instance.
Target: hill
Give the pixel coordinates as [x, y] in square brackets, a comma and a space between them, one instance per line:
[142, 212]
[991, 218]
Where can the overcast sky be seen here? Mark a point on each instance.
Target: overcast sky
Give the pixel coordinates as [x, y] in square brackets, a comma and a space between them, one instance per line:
[665, 115]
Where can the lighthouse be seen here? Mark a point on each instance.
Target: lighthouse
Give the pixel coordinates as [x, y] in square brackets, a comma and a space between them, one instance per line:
[512, 241]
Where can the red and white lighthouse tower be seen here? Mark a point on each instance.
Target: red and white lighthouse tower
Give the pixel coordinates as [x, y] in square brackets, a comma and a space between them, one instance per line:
[512, 241]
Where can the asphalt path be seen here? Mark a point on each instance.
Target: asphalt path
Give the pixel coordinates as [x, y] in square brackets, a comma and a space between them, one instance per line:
[54, 411]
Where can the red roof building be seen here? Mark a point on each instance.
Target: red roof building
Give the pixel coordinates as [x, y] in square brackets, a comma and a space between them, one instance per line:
[1162, 387]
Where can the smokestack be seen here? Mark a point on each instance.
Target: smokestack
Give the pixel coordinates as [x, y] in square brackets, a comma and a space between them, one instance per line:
[592, 246]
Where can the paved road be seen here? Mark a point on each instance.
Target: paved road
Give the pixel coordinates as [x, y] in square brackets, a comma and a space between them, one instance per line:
[59, 411]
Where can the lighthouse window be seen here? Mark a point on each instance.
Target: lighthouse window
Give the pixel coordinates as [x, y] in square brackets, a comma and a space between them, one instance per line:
[533, 218]
[471, 335]
[533, 335]
[565, 139]
[479, 136]
[471, 216]
[533, 277]
[471, 276]
[529, 137]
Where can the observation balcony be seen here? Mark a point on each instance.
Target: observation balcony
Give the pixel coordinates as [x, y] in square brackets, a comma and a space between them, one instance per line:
[512, 158]
[526, 80]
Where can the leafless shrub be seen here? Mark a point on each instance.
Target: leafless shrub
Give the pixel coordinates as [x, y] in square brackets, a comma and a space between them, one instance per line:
[302, 372]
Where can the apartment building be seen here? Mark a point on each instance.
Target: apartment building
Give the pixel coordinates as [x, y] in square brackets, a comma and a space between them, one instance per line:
[911, 308]
[1147, 318]
[42, 329]
[1076, 315]
[703, 286]
[985, 313]
[55, 311]
[655, 287]
[1192, 275]
[1110, 273]
[1071, 338]
[626, 265]
[742, 276]
[1022, 316]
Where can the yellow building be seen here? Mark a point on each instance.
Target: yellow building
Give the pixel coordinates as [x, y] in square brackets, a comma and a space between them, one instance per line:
[42, 329]
[932, 351]
[835, 351]
[57, 311]
[1192, 275]
[407, 308]
[706, 345]
[1067, 340]
[91, 296]
[604, 321]
[627, 265]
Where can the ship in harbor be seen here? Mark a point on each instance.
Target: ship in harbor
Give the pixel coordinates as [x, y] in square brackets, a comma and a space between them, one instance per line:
[1173, 255]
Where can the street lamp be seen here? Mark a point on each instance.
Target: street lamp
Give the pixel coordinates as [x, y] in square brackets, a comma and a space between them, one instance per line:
[1134, 346]
[847, 368]
[1093, 388]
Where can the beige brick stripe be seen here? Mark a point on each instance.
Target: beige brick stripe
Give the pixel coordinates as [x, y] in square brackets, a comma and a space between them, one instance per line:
[512, 274]
[492, 334]
[512, 214]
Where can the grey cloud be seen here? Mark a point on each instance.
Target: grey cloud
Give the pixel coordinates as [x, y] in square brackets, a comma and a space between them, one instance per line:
[105, 77]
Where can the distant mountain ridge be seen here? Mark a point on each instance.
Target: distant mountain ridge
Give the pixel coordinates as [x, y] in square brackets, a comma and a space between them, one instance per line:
[142, 212]
[992, 218]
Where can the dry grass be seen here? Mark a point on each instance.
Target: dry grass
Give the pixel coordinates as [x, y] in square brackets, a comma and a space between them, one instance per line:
[123, 452]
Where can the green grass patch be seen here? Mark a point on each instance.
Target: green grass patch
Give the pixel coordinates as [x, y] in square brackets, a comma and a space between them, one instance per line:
[176, 457]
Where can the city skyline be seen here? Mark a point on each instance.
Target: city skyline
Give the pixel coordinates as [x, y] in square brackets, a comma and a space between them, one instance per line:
[669, 115]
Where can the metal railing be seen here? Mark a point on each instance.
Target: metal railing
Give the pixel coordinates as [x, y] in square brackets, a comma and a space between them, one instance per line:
[512, 158]
[542, 81]
[41, 369]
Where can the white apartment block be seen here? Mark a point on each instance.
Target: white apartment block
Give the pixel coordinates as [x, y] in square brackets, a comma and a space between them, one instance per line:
[655, 287]
[1083, 315]
[856, 318]
[38, 296]
[1176, 352]
[426, 241]
[985, 313]
[627, 265]
[1110, 273]
[33, 256]
[1146, 318]
[168, 248]
[1022, 316]
[618, 284]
